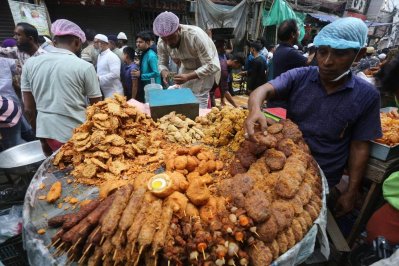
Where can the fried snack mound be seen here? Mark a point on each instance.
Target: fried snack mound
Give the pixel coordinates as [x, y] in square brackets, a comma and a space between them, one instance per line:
[390, 130]
[224, 127]
[116, 141]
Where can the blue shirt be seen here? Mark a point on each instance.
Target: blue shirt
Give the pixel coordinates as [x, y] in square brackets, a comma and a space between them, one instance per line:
[127, 78]
[250, 58]
[285, 58]
[329, 122]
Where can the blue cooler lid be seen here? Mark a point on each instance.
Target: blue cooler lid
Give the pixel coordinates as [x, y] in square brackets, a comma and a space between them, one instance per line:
[171, 97]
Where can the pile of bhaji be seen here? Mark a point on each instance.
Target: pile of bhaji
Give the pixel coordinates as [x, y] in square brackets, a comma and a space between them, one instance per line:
[222, 200]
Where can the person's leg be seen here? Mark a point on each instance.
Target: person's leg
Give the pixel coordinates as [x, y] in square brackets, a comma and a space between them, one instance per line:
[202, 98]
[212, 96]
[11, 136]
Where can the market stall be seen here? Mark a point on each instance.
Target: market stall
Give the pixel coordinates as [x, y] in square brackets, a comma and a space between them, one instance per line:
[126, 190]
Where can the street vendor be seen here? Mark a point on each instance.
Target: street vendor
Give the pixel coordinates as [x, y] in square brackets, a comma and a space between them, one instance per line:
[55, 86]
[337, 112]
[191, 46]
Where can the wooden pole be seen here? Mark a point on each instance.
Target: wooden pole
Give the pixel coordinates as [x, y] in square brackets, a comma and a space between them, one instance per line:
[260, 15]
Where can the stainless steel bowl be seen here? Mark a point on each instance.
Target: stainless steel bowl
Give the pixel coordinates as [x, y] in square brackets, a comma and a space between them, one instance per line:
[22, 158]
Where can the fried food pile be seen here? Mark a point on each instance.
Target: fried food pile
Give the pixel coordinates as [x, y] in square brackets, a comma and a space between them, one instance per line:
[115, 142]
[390, 130]
[224, 128]
[192, 215]
[180, 129]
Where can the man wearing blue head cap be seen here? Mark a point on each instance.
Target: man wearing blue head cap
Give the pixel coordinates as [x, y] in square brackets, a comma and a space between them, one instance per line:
[337, 112]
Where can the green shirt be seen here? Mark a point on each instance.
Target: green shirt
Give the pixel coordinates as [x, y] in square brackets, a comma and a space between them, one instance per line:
[59, 82]
[390, 190]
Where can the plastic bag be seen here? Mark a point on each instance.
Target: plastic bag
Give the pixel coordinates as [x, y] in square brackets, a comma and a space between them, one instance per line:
[11, 223]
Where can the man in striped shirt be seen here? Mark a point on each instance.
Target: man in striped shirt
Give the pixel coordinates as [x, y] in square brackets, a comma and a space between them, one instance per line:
[10, 123]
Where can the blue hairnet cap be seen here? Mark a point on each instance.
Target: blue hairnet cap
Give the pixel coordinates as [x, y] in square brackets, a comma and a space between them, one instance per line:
[343, 33]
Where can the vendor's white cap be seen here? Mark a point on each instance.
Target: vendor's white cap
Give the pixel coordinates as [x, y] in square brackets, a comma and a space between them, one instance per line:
[101, 37]
[382, 56]
[310, 45]
[121, 36]
[296, 47]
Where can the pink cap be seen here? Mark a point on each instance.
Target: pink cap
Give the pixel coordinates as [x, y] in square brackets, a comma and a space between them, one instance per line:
[165, 24]
[62, 27]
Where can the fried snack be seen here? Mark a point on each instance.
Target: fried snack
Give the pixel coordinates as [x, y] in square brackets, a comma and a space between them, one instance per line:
[224, 128]
[54, 192]
[161, 185]
[198, 193]
[275, 159]
[257, 205]
[72, 220]
[148, 229]
[275, 128]
[113, 215]
[178, 202]
[390, 130]
[286, 187]
[158, 241]
[268, 230]
[260, 254]
[132, 209]
[283, 212]
[180, 129]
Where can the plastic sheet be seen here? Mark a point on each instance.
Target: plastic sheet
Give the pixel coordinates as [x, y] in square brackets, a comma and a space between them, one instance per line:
[11, 223]
[36, 213]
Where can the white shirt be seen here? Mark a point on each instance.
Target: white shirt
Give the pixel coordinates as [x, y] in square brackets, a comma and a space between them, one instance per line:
[197, 53]
[109, 72]
[123, 47]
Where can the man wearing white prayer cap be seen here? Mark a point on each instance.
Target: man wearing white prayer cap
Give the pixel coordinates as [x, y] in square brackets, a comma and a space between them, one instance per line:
[108, 67]
[193, 48]
[122, 40]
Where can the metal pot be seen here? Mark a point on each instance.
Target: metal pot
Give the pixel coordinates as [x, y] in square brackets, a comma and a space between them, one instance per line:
[23, 159]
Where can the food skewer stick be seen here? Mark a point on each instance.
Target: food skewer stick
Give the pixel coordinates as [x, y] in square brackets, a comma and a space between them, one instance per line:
[114, 256]
[168, 262]
[138, 257]
[54, 243]
[203, 253]
[102, 240]
[59, 248]
[236, 254]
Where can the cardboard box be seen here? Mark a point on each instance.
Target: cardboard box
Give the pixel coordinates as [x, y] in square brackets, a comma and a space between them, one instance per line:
[182, 101]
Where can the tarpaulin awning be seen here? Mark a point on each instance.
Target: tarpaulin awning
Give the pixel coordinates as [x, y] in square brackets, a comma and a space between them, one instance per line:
[323, 17]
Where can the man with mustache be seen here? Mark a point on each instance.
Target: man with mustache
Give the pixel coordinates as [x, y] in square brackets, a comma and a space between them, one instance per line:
[56, 86]
[337, 112]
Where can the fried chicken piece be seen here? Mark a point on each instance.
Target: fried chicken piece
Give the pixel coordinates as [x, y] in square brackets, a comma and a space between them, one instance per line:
[291, 131]
[268, 230]
[290, 237]
[209, 210]
[274, 248]
[198, 193]
[286, 187]
[259, 166]
[296, 204]
[297, 230]
[275, 128]
[246, 158]
[191, 210]
[257, 205]
[265, 139]
[282, 242]
[260, 254]
[305, 193]
[275, 159]
[179, 181]
[312, 211]
[283, 212]
[305, 215]
[236, 168]
[178, 202]
[252, 148]
[243, 182]
[287, 146]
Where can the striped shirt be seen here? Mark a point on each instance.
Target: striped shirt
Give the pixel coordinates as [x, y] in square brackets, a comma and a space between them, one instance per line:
[10, 112]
